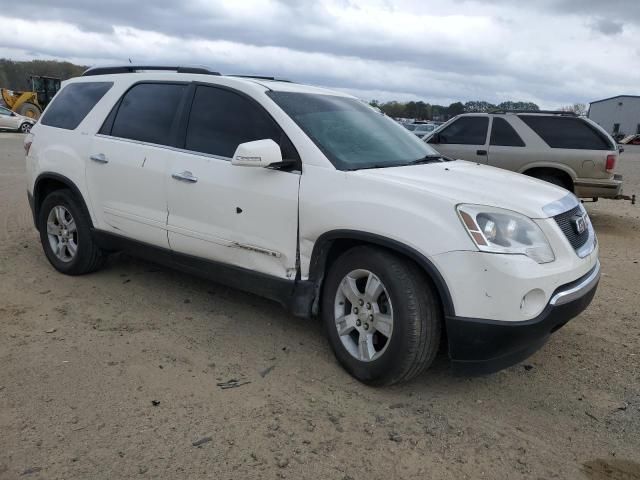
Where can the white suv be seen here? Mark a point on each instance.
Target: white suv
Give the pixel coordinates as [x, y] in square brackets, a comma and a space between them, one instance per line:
[311, 198]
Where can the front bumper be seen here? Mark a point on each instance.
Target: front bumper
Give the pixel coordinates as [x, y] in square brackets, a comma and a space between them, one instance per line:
[479, 347]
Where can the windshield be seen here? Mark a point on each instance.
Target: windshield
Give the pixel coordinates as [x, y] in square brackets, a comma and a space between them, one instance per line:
[351, 134]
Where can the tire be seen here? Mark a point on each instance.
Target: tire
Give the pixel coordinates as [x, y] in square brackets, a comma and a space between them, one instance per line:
[62, 219]
[29, 110]
[25, 127]
[554, 179]
[409, 298]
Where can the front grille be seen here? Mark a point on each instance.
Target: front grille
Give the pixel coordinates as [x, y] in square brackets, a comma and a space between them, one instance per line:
[564, 222]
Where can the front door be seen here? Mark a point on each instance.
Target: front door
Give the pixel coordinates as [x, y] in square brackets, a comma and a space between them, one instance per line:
[243, 216]
[128, 161]
[465, 138]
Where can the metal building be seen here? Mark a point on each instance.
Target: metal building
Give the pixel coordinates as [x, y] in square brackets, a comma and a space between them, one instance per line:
[618, 115]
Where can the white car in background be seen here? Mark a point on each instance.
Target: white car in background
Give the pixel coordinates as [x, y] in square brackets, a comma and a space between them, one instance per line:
[10, 120]
[421, 129]
[311, 198]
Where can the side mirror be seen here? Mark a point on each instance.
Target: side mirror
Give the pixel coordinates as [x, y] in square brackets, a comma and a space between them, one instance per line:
[620, 148]
[13, 114]
[259, 153]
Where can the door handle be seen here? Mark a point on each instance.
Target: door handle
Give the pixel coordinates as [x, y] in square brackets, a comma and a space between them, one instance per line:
[99, 157]
[481, 152]
[185, 176]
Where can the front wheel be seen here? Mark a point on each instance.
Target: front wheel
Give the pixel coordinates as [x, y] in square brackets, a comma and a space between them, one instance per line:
[382, 317]
[25, 127]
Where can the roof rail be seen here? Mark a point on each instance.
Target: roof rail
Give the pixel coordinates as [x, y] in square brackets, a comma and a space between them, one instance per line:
[108, 70]
[260, 77]
[553, 112]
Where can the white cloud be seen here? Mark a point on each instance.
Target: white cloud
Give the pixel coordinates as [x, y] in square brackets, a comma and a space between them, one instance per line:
[441, 52]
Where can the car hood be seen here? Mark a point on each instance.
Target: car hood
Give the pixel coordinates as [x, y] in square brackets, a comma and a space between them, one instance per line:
[473, 183]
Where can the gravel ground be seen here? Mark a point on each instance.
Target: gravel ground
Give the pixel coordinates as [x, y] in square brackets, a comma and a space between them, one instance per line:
[115, 375]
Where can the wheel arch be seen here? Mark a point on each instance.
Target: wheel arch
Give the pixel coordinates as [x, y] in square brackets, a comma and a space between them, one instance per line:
[330, 245]
[48, 182]
[566, 173]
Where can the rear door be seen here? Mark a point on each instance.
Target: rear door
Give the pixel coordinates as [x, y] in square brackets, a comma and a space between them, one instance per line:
[507, 149]
[244, 216]
[465, 138]
[128, 161]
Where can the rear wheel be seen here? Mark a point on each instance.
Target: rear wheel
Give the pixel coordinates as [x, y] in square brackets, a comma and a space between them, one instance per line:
[29, 110]
[65, 234]
[382, 316]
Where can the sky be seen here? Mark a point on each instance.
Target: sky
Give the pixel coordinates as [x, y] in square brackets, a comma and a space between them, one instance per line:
[551, 52]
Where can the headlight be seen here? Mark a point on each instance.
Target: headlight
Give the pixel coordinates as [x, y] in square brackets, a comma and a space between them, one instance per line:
[497, 230]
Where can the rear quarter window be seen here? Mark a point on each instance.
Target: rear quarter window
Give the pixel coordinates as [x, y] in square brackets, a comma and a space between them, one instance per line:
[567, 132]
[73, 103]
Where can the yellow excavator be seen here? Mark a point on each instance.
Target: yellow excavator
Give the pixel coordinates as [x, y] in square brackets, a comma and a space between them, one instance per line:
[31, 103]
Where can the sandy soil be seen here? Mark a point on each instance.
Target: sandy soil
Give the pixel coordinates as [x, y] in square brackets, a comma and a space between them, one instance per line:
[114, 375]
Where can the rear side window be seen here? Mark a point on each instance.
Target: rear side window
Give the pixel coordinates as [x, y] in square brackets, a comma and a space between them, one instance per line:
[567, 132]
[504, 135]
[147, 113]
[72, 104]
[220, 120]
[466, 131]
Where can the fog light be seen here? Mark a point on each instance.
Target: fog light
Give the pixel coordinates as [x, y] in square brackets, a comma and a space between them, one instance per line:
[533, 302]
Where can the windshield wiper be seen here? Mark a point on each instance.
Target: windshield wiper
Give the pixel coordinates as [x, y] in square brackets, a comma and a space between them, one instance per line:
[428, 159]
[368, 167]
[420, 161]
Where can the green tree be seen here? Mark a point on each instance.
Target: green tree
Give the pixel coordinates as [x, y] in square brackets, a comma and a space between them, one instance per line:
[455, 109]
[478, 106]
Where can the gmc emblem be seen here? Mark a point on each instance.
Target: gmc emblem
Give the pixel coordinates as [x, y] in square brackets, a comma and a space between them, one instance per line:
[579, 223]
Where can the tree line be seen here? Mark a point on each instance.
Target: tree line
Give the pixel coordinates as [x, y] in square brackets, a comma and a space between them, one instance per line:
[425, 111]
[14, 75]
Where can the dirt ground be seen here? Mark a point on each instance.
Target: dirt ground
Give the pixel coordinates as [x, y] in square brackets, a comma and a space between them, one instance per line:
[114, 375]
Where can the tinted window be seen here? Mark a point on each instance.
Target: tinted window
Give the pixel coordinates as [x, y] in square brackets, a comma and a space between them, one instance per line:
[466, 131]
[567, 132]
[220, 120]
[73, 103]
[503, 134]
[147, 111]
[4, 111]
[350, 133]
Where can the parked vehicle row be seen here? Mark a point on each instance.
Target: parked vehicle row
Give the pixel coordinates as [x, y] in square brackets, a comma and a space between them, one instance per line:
[420, 129]
[312, 198]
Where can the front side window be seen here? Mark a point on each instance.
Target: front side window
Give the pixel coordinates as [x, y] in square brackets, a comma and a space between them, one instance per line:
[4, 111]
[73, 103]
[567, 132]
[466, 131]
[351, 134]
[504, 135]
[220, 120]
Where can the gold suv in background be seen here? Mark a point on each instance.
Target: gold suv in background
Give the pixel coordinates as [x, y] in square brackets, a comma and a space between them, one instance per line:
[558, 147]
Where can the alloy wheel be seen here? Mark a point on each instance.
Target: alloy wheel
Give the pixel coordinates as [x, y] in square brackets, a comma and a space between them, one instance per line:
[62, 233]
[363, 315]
